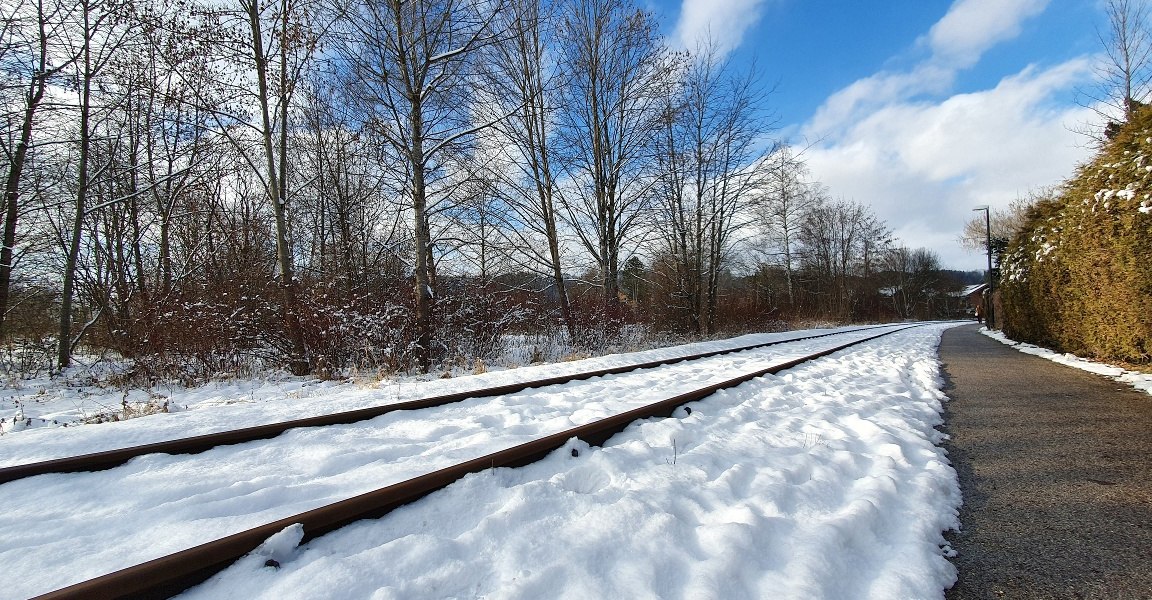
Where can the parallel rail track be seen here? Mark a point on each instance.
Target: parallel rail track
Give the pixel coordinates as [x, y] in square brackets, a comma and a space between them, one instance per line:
[108, 459]
[171, 574]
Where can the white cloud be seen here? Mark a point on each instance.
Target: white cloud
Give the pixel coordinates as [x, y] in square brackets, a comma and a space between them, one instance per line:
[973, 26]
[721, 21]
[866, 95]
[923, 165]
[922, 157]
[957, 40]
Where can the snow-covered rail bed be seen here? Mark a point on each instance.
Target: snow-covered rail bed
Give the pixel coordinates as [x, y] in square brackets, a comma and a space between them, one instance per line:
[65, 528]
[216, 408]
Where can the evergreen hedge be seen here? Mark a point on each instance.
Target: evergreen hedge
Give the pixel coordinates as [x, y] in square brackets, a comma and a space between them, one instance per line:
[1078, 276]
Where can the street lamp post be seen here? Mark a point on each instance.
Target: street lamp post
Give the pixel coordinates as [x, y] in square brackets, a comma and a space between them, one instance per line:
[989, 307]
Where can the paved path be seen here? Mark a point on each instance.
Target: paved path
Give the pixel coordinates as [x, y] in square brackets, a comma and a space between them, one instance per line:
[1055, 466]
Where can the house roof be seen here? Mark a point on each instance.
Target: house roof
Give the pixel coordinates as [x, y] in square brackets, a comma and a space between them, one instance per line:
[973, 289]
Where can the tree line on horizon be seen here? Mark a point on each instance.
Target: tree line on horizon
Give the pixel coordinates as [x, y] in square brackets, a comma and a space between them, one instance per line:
[395, 184]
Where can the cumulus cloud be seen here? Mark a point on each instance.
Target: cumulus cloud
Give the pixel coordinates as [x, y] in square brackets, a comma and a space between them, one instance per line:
[922, 157]
[871, 93]
[719, 22]
[956, 41]
[973, 26]
[923, 165]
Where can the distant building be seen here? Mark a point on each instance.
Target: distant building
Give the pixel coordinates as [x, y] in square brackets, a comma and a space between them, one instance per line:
[972, 298]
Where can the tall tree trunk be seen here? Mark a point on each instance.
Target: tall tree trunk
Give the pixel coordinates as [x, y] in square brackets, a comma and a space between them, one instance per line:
[545, 187]
[32, 99]
[64, 342]
[12, 198]
[298, 361]
[424, 297]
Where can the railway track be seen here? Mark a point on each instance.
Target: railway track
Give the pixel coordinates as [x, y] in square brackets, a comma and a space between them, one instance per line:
[172, 573]
[108, 459]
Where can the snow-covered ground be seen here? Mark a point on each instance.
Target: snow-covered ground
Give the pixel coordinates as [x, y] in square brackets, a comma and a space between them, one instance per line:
[37, 409]
[822, 482]
[1140, 381]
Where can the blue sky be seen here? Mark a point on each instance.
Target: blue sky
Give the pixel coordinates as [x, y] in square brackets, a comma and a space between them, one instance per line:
[921, 109]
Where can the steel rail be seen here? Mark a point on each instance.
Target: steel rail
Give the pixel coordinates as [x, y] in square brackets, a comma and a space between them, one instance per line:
[107, 459]
[174, 573]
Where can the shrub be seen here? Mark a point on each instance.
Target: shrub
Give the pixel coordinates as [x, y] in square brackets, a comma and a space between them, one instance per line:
[1079, 275]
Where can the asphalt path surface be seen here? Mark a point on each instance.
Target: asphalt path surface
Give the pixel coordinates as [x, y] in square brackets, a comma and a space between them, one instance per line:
[1055, 466]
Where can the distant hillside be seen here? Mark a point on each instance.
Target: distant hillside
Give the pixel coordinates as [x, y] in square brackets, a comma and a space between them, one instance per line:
[1079, 275]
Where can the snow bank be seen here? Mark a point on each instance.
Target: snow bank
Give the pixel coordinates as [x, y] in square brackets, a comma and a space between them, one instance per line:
[1140, 381]
[825, 482]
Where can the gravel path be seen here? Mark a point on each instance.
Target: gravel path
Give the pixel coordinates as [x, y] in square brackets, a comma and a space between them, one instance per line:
[1055, 465]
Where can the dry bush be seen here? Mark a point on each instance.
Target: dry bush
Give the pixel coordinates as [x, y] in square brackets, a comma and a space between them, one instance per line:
[360, 331]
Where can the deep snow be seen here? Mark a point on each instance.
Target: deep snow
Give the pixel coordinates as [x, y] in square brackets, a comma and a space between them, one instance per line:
[823, 482]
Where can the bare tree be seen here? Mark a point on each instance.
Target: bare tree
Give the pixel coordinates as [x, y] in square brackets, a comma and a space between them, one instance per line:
[788, 197]
[476, 233]
[264, 49]
[1126, 77]
[619, 74]
[352, 237]
[411, 67]
[30, 57]
[713, 166]
[522, 78]
[913, 276]
[175, 123]
[842, 243]
[152, 144]
[1002, 224]
[279, 58]
[101, 30]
